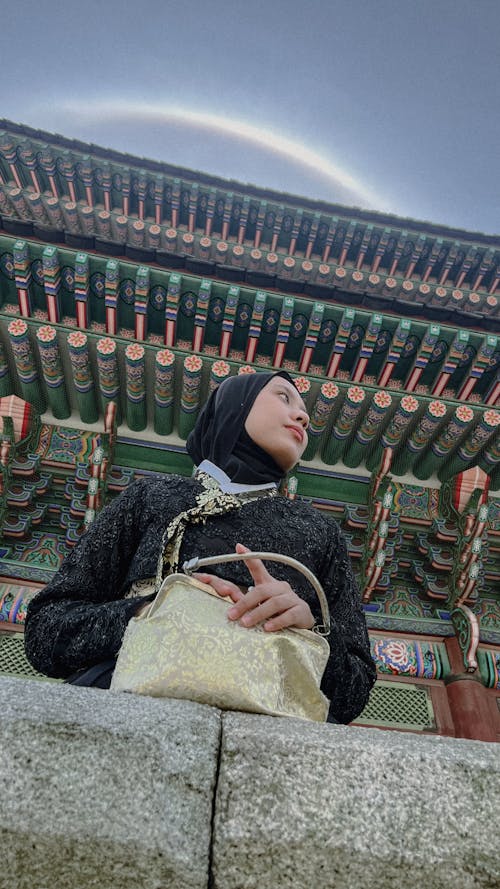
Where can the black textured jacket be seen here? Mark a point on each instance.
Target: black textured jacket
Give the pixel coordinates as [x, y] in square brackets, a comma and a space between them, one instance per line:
[80, 617]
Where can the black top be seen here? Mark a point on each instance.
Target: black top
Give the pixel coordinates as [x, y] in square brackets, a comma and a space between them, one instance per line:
[80, 617]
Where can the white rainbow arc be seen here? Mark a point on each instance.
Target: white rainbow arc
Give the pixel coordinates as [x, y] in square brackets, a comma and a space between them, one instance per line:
[124, 111]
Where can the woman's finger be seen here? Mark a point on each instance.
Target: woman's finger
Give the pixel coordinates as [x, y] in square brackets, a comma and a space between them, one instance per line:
[277, 591]
[252, 598]
[272, 607]
[256, 567]
[222, 587]
[299, 616]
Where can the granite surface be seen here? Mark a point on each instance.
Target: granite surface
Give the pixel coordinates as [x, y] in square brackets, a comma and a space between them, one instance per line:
[303, 805]
[104, 790]
[108, 790]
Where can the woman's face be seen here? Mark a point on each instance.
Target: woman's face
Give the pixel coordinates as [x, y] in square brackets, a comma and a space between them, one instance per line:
[278, 421]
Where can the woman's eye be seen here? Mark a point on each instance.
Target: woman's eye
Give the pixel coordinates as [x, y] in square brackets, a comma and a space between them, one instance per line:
[287, 397]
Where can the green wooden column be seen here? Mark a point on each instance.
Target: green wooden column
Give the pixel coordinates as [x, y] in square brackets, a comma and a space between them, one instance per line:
[470, 448]
[52, 370]
[82, 376]
[107, 368]
[420, 437]
[303, 385]
[442, 447]
[321, 412]
[25, 365]
[369, 428]
[136, 386]
[344, 425]
[164, 392]
[190, 395]
[395, 431]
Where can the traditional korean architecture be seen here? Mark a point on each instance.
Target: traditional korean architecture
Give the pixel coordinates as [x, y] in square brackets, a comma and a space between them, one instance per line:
[130, 288]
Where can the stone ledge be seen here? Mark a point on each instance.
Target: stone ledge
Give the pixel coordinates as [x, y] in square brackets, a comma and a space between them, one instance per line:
[103, 790]
[342, 807]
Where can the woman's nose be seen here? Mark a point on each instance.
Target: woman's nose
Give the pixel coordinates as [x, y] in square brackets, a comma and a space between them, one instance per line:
[303, 418]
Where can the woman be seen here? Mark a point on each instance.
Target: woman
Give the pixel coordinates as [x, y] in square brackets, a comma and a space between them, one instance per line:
[251, 432]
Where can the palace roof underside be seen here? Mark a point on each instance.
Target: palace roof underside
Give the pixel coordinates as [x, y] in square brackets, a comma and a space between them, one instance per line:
[93, 199]
[128, 290]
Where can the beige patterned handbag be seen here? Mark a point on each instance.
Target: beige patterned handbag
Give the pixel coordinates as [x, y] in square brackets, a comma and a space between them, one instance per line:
[184, 646]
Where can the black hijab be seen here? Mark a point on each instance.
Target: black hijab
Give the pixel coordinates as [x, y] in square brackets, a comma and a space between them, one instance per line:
[220, 435]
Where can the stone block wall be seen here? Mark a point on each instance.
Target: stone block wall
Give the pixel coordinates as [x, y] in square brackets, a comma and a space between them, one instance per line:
[108, 790]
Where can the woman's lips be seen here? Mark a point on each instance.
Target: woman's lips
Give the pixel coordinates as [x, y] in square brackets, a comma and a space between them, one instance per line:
[298, 432]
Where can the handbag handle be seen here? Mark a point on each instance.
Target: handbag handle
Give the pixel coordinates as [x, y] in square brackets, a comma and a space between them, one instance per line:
[195, 564]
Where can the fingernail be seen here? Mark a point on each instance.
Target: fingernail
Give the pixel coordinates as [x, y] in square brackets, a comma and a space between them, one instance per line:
[231, 613]
[244, 621]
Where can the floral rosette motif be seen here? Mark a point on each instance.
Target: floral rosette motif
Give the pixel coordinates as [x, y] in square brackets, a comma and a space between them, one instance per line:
[191, 380]
[302, 384]
[427, 426]
[165, 358]
[17, 328]
[355, 394]
[322, 408]
[46, 334]
[409, 404]
[383, 400]
[21, 348]
[135, 373]
[437, 409]
[220, 371]
[375, 414]
[401, 419]
[464, 414]
[401, 657]
[394, 656]
[77, 339]
[49, 356]
[134, 352]
[107, 367]
[246, 369]
[80, 364]
[351, 407]
[106, 346]
[164, 378]
[492, 418]
[488, 423]
[444, 444]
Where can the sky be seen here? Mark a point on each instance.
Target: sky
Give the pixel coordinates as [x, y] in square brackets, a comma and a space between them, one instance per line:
[392, 105]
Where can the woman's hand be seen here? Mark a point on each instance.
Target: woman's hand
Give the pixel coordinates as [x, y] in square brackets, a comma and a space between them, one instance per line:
[270, 602]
